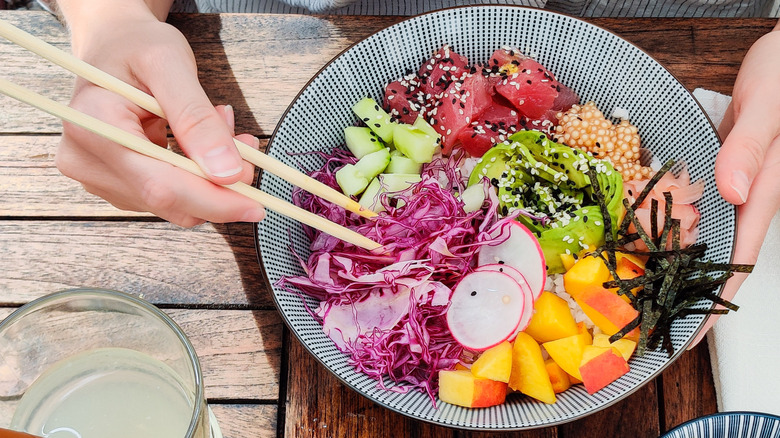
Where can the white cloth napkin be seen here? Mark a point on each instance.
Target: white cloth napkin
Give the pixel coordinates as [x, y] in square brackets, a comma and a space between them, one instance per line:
[745, 345]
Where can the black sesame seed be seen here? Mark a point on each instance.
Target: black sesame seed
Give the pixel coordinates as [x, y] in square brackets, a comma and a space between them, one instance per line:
[473, 293]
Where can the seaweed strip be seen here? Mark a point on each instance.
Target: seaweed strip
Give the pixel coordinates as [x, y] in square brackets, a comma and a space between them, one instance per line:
[711, 266]
[654, 221]
[650, 184]
[674, 280]
[626, 329]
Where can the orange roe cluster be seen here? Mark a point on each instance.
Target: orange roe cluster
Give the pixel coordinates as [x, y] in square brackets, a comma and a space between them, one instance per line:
[585, 127]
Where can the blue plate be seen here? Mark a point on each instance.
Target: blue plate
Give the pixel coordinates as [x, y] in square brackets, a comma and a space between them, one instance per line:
[729, 425]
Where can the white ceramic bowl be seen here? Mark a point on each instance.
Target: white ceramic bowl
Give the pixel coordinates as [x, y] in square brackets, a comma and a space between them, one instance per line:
[729, 424]
[598, 65]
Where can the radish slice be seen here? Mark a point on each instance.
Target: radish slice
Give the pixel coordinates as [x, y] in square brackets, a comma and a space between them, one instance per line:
[485, 310]
[528, 295]
[520, 251]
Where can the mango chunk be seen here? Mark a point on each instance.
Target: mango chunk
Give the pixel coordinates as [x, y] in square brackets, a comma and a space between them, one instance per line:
[460, 387]
[558, 377]
[625, 346]
[552, 319]
[529, 374]
[589, 271]
[608, 311]
[567, 260]
[567, 352]
[600, 367]
[494, 363]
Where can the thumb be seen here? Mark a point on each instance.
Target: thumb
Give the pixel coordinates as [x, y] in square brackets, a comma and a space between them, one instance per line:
[202, 133]
[743, 152]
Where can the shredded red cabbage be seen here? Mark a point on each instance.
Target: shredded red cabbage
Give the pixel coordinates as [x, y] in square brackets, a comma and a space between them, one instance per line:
[386, 309]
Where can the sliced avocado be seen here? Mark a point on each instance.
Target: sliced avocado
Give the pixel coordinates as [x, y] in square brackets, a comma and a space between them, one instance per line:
[493, 164]
[548, 181]
[586, 228]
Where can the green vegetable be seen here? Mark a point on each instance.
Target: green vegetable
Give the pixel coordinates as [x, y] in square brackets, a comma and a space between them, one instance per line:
[402, 164]
[549, 182]
[361, 141]
[354, 178]
[375, 118]
[415, 143]
[386, 183]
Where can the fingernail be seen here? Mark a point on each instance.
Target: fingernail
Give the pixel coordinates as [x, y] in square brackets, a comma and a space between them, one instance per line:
[231, 116]
[254, 215]
[221, 163]
[256, 142]
[741, 184]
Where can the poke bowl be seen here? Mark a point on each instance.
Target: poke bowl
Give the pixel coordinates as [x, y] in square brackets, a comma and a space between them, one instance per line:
[600, 67]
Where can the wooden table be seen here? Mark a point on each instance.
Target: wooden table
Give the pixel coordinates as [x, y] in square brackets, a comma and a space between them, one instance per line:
[260, 380]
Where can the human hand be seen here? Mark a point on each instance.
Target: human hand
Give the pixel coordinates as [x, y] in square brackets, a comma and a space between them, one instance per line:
[125, 39]
[747, 169]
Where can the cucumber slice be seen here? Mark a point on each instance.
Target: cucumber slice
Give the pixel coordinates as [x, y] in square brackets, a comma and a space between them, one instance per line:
[351, 180]
[374, 163]
[375, 118]
[354, 178]
[361, 141]
[415, 143]
[386, 183]
[401, 164]
[426, 127]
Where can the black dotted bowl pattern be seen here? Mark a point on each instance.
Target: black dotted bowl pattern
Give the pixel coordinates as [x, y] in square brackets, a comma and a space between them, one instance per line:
[598, 65]
[729, 424]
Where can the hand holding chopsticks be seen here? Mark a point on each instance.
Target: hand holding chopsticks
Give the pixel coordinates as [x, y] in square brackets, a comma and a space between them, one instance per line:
[150, 149]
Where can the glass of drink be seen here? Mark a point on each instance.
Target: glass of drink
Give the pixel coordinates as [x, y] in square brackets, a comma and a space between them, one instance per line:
[88, 363]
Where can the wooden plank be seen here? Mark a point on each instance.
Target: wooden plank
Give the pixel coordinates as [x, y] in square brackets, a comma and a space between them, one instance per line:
[707, 51]
[317, 404]
[245, 69]
[635, 416]
[209, 265]
[244, 421]
[239, 350]
[33, 187]
[688, 388]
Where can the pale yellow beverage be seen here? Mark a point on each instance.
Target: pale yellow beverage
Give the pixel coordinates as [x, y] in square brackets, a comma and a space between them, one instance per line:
[106, 393]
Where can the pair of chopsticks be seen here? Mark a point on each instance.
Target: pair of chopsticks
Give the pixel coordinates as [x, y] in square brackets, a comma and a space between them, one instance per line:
[149, 103]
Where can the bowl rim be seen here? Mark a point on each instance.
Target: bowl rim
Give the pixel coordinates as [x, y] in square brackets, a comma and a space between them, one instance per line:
[288, 323]
[710, 417]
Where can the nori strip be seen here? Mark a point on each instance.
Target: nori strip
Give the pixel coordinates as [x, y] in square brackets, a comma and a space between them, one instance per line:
[674, 280]
[654, 221]
[650, 184]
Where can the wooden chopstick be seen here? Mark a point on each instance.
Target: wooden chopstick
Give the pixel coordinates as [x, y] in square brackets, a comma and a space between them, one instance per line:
[150, 149]
[149, 103]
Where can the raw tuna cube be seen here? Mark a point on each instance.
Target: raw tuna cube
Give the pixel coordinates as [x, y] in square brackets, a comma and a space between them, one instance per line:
[463, 102]
[492, 127]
